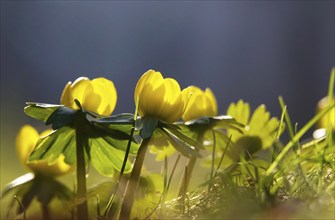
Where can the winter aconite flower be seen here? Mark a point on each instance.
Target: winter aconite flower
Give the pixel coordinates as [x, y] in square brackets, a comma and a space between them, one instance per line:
[26, 141]
[198, 103]
[158, 97]
[97, 95]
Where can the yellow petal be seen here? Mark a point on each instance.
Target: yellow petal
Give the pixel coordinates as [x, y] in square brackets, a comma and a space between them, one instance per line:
[150, 99]
[25, 142]
[58, 167]
[159, 97]
[173, 103]
[198, 103]
[66, 98]
[212, 100]
[151, 78]
[91, 102]
[80, 88]
[106, 90]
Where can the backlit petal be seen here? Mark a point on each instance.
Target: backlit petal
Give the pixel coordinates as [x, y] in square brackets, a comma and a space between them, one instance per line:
[106, 90]
[198, 103]
[213, 102]
[79, 89]
[149, 77]
[66, 98]
[159, 97]
[97, 95]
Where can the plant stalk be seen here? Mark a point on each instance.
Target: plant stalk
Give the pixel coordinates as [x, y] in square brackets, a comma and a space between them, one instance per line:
[129, 196]
[189, 170]
[113, 203]
[45, 212]
[81, 141]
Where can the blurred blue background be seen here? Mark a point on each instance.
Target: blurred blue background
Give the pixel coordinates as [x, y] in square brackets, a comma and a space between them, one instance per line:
[254, 50]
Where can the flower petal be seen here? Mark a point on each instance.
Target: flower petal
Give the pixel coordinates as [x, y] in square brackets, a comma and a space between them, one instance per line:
[66, 98]
[198, 103]
[25, 142]
[212, 100]
[58, 167]
[79, 89]
[158, 97]
[106, 90]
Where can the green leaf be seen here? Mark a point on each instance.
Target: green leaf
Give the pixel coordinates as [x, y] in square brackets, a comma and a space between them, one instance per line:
[221, 121]
[59, 142]
[116, 138]
[121, 144]
[244, 146]
[161, 145]
[240, 111]
[180, 136]
[185, 145]
[40, 111]
[148, 127]
[63, 116]
[125, 118]
[105, 158]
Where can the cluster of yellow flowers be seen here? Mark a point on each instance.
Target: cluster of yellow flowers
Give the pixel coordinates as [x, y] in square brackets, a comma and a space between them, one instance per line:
[156, 96]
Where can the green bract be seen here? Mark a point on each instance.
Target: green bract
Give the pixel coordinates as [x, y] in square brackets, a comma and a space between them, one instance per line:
[107, 136]
[164, 135]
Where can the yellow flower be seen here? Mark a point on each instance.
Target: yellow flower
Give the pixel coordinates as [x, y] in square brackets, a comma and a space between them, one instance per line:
[198, 103]
[158, 97]
[26, 141]
[97, 95]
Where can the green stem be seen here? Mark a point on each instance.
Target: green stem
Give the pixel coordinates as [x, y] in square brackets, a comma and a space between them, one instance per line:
[82, 208]
[296, 138]
[189, 170]
[129, 196]
[112, 206]
[45, 212]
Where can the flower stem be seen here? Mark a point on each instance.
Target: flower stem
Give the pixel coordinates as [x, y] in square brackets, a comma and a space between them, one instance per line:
[129, 196]
[113, 203]
[45, 211]
[82, 208]
[189, 170]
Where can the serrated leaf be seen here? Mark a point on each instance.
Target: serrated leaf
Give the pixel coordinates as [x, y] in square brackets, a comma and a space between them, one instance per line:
[180, 136]
[59, 142]
[105, 158]
[121, 144]
[240, 111]
[40, 111]
[182, 143]
[161, 145]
